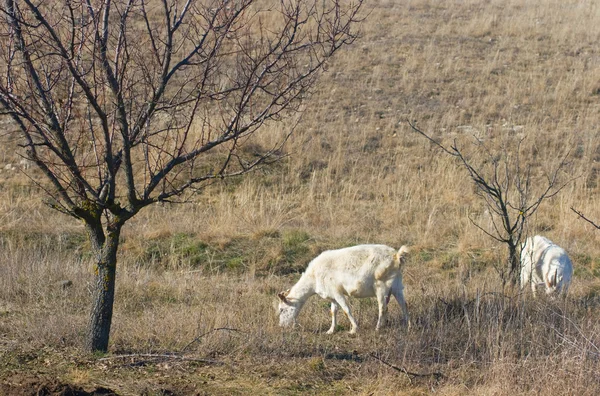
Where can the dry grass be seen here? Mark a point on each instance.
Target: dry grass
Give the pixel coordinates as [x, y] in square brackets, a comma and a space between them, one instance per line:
[499, 70]
[464, 328]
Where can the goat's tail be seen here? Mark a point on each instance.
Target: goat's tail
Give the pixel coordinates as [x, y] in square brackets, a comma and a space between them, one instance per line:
[401, 255]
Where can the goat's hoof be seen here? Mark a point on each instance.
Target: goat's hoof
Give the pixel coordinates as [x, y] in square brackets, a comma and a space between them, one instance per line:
[330, 331]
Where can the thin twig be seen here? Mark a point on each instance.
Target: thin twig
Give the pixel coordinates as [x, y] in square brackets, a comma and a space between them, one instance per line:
[580, 214]
[435, 374]
[432, 140]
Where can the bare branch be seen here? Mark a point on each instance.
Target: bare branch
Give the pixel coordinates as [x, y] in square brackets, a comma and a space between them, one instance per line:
[426, 136]
[181, 81]
[581, 215]
[436, 374]
[207, 333]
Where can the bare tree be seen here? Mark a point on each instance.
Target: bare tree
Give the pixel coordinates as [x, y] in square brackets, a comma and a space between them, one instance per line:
[125, 103]
[506, 186]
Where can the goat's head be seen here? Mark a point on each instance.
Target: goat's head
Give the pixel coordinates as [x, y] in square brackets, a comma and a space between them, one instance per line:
[555, 282]
[287, 310]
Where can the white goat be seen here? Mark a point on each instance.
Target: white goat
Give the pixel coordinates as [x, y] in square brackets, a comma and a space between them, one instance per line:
[358, 271]
[544, 263]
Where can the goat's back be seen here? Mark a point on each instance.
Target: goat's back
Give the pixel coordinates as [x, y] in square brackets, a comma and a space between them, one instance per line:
[359, 259]
[355, 271]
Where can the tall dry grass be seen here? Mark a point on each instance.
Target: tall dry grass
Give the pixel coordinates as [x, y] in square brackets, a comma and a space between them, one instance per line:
[482, 340]
[497, 70]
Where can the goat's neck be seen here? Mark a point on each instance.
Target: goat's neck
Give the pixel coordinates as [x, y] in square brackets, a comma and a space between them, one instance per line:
[302, 290]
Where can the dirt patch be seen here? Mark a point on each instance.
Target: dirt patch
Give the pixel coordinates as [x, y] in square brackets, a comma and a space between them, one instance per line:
[28, 385]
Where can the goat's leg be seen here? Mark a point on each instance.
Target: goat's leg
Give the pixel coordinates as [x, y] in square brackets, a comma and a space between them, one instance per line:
[343, 303]
[383, 298]
[399, 295]
[334, 309]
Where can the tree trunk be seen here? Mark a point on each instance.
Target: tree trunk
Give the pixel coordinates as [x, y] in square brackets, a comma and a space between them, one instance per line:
[515, 264]
[105, 247]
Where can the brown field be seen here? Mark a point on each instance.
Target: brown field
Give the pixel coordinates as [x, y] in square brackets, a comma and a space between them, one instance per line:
[197, 283]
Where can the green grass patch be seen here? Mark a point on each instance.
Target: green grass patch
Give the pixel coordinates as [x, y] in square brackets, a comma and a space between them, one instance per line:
[279, 253]
[296, 249]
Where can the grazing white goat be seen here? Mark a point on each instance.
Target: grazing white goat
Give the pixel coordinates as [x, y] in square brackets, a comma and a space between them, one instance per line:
[358, 271]
[544, 263]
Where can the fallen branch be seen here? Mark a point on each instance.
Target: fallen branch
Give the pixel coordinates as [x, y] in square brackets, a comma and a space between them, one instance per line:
[435, 374]
[159, 357]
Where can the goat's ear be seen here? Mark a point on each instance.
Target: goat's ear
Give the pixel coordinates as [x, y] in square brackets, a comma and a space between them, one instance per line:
[401, 255]
[404, 251]
[282, 296]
